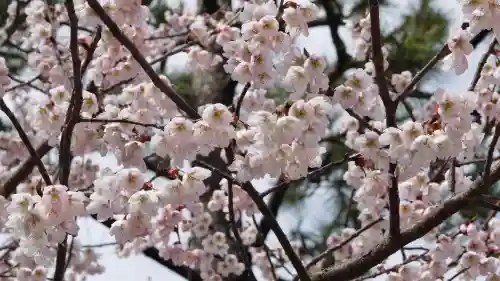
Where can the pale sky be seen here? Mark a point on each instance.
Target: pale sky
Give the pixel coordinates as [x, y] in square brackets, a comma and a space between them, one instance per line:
[139, 268]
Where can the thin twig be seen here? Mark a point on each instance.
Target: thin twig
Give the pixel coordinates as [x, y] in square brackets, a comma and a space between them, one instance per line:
[23, 83]
[235, 231]
[176, 50]
[136, 54]
[330, 250]
[267, 215]
[349, 207]
[184, 33]
[124, 121]
[428, 67]
[476, 161]
[240, 101]
[362, 121]
[266, 250]
[482, 202]
[393, 268]
[453, 174]
[278, 231]
[460, 272]
[100, 245]
[91, 50]
[481, 64]
[491, 150]
[26, 83]
[409, 109]
[312, 174]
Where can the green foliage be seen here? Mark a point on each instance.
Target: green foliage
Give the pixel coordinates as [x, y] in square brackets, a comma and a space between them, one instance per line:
[277, 94]
[3, 11]
[158, 12]
[183, 85]
[361, 7]
[416, 40]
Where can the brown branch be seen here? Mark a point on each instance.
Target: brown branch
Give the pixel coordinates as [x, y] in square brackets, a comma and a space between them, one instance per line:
[73, 112]
[321, 256]
[274, 203]
[378, 56]
[482, 202]
[476, 161]
[460, 272]
[19, 18]
[491, 150]
[280, 235]
[334, 21]
[72, 115]
[136, 54]
[428, 67]
[184, 33]
[177, 50]
[481, 64]
[355, 268]
[393, 268]
[312, 174]
[442, 53]
[267, 215]
[362, 121]
[123, 121]
[100, 245]
[240, 101]
[91, 50]
[25, 83]
[409, 109]
[234, 228]
[24, 170]
[24, 137]
[390, 112]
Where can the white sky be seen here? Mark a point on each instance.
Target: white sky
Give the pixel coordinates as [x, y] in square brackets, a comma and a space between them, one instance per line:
[139, 268]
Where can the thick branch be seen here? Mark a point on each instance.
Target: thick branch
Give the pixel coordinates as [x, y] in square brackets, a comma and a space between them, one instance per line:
[352, 269]
[390, 112]
[72, 116]
[24, 137]
[24, 170]
[267, 215]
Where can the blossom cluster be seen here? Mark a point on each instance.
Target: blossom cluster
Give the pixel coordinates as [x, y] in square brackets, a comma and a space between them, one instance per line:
[194, 221]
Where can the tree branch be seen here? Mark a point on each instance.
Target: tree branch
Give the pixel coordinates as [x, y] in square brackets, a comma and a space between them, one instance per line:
[443, 52]
[482, 63]
[136, 54]
[334, 21]
[72, 116]
[330, 250]
[24, 170]
[24, 137]
[267, 215]
[352, 269]
[390, 112]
